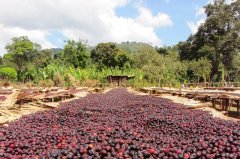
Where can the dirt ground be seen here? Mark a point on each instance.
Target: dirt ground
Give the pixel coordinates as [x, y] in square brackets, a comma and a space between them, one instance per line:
[10, 99]
[175, 99]
[186, 89]
[190, 103]
[107, 90]
[198, 105]
[9, 111]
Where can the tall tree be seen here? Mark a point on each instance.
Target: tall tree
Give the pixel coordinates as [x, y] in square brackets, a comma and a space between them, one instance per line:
[21, 51]
[145, 54]
[109, 55]
[201, 68]
[162, 50]
[1, 60]
[43, 58]
[75, 53]
[218, 38]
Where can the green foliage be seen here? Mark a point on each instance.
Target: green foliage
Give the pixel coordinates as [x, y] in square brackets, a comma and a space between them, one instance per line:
[145, 55]
[162, 50]
[43, 58]
[130, 47]
[75, 53]
[8, 73]
[160, 69]
[20, 52]
[213, 52]
[217, 39]
[67, 75]
[109, 55]
[236, 68]
[201, 68]
[1, 60]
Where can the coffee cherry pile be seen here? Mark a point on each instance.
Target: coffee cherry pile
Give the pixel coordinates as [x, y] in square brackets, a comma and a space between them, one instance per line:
[120, 125]
[2, 98]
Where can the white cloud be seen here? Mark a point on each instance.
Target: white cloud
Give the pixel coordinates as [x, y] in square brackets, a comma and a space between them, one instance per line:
[95, 21]
[230, 1]
[146, 18]
[120, 29]
[35, 35]
[226, 1]
[200, 15]
[200, 11]
[193, 26]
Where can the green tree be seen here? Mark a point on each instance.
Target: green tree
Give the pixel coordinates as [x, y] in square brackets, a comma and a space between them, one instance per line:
[201, 68]
[162, 50]
[236, 68]
[1, 60]
[109, 55]
[75, 53]
[217, 39]
[7, 61]
[8, 73]
[20, 52]
[153, 67]
[144, 55]
[123, 60]
[43, 58]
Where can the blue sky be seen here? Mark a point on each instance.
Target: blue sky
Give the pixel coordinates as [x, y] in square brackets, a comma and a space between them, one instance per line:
[180, 11]
[51, 22]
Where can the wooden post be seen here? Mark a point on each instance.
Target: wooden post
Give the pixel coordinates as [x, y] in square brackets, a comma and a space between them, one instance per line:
[227, 103]
[238, 108]
[213, 102]
[221, 104]
[231, 103]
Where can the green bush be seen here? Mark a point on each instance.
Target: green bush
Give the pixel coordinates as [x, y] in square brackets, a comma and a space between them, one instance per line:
[8, 73]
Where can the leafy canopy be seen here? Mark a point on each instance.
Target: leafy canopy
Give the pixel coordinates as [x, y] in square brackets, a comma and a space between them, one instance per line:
[8, 73]
[109, 55]
[20, 52]
[75, 53]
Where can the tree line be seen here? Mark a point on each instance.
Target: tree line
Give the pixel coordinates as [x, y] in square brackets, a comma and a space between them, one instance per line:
[218, 40]
[210, 55]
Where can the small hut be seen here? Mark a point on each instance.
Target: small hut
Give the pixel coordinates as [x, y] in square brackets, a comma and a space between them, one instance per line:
[118, 79]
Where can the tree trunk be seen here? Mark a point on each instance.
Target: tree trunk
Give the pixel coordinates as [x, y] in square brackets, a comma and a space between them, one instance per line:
[18, 74]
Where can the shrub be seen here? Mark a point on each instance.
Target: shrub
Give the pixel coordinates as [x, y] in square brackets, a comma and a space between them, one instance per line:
[46, 83]
[8, 73]
[90, 83]
[58, 80]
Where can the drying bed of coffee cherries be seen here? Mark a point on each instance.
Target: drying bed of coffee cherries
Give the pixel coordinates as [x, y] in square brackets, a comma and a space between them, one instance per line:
[120, 125]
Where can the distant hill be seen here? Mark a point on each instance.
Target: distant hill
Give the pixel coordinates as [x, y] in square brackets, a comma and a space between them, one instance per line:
[133, 47]
[57, 49]
[56, 52]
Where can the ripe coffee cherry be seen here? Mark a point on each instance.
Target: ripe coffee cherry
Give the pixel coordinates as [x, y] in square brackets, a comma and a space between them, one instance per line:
[120, 125]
